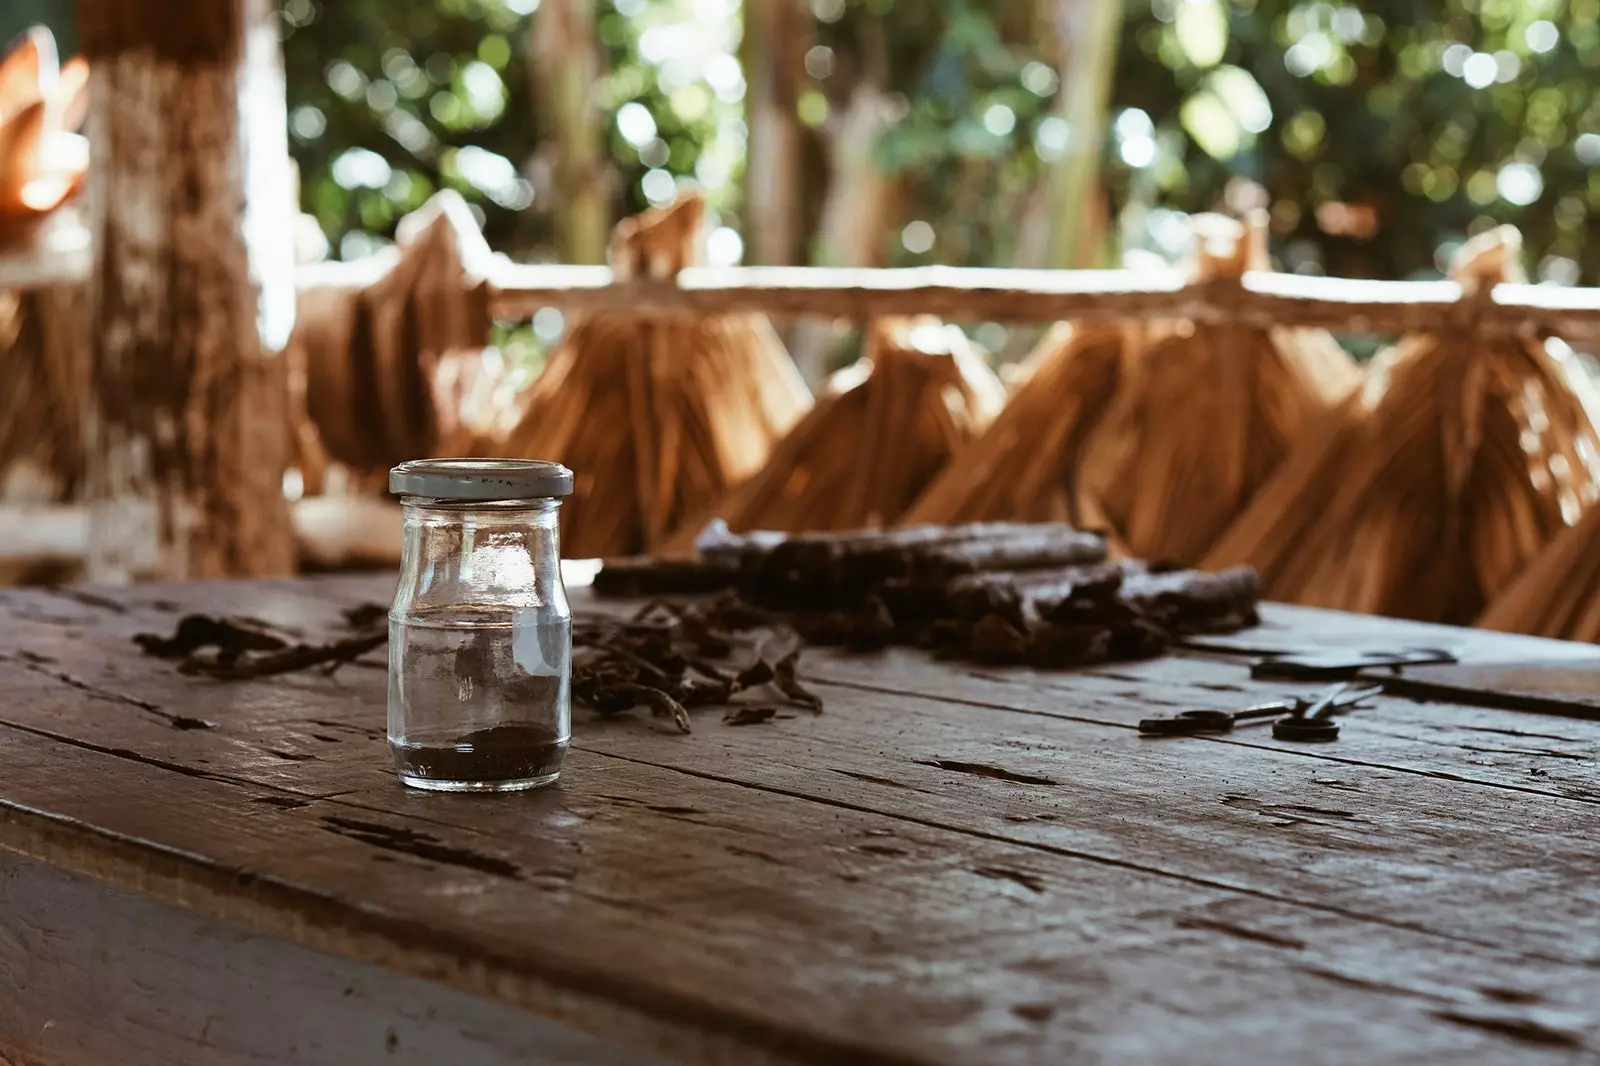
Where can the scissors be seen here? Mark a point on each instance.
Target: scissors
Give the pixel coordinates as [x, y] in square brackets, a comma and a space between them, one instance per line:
[1311, 715]
[1341, 665]
[1326, 663]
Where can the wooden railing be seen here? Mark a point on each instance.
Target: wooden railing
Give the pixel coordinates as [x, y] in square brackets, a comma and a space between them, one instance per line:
[970, 294]
[1260, 298]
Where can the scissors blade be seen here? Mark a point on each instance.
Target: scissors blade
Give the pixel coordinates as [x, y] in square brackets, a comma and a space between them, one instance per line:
[1351, 697]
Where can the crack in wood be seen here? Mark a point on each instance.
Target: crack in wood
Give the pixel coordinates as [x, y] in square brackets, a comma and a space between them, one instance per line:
[1368, 985]
[1523, 1030]
[1516, 733]
[886, 850]
[87, 599]
[1250, 803]
[1533, 752]
[752, 853]
[36, 664]
[420, 845]
[285, 803]
[1258, 936]
[1037, 1013]
[348, 727]
[978, 769]
[1032, 882]
[868, 778]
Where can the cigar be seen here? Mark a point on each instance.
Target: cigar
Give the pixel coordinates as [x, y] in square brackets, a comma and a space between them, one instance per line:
[1191, 601]
[641, 577]
[1018, 596]
[1039, 547]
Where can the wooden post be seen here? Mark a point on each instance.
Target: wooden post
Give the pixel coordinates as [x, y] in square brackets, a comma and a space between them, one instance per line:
[192, 293]
[565, 67]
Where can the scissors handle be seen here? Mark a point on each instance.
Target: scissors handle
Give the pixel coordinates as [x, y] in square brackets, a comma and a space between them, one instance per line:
[1192, 723]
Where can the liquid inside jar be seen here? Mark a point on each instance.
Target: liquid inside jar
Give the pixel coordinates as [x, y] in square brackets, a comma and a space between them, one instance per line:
[479, 698]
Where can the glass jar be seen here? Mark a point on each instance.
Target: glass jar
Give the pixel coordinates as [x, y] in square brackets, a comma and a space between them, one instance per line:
[480, 633]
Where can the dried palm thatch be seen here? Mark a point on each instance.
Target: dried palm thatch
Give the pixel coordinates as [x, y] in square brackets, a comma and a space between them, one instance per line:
[1432, 488]
[657, 416]
[1559, 594]
[42, 161]
[1024, 467]
[879, 435]
[365, 360]
[42, 362]
[1208, 413]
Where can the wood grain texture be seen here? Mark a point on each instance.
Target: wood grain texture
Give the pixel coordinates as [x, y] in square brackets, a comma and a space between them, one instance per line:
[190, 199]
[100, 976]
[948, 866]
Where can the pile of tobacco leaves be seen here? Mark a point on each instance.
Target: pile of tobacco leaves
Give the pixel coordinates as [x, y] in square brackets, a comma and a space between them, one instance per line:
[667, 657]
[737, 616]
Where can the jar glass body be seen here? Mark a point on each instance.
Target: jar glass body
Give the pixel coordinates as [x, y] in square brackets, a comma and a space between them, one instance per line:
[480, 646]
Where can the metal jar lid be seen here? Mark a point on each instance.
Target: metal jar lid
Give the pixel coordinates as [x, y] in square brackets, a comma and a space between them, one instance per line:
[481, 479]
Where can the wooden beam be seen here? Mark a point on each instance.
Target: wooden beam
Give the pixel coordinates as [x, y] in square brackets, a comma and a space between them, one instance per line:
[982, 294]
[190, 200]
[1262, 298]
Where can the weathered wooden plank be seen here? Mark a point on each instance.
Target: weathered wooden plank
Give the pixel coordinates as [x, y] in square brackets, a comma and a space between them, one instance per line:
[1220, 836]
[98, 976]
[689, 881]
[686, 917]
[1524, 752]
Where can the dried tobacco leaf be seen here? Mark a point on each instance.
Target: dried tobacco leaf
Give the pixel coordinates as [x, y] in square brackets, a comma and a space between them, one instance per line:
[230, 637]
[786, 680]
[1428, 493]
[749, 715]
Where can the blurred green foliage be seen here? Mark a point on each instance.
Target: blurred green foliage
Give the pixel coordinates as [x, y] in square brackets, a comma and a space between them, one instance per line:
[18, 15]
[1383, 132]
[1416, 122]
[389, 101]
[968, 81]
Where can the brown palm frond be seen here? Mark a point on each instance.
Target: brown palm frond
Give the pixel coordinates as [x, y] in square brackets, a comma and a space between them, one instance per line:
[877, 437]
[658, 417]
[1208, 414]
[1432, 489]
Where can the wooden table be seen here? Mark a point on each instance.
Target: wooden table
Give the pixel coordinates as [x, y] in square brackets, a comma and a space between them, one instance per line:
[952, 865]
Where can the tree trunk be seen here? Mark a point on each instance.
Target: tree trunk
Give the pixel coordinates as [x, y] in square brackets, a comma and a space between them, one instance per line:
[192, 292]
[566, 65]
[1086, 34]
[776, 36]
[855, 214]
